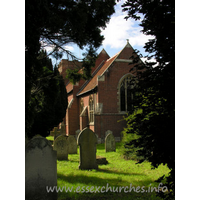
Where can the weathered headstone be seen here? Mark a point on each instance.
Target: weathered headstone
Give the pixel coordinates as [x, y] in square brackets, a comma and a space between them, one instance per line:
[55, 132]
[110, 143]
[40, 169]
[98, 139]
[61, 145]
[107, 132]
[87, 141]
[63, 129]
[72, 145]
[52, 133]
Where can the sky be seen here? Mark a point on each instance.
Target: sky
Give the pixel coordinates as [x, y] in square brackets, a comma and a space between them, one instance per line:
[118, 30]
[116, 33]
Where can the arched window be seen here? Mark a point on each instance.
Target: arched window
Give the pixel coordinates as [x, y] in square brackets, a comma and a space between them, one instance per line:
[126, 93]
[91, 109]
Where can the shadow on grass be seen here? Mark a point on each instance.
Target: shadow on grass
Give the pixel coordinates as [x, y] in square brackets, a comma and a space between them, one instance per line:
[88, 180]
[70, 160]
[107, 183]
[96, 181]
[121, 173]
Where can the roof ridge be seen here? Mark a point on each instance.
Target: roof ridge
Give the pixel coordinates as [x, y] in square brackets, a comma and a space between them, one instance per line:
[114, 58]
[98, 68]
[117, 54]
[104, 51]
[93, 74]
[100, 71]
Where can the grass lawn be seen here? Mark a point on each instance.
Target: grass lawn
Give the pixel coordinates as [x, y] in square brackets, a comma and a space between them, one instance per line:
[117, 173]
[51, 138]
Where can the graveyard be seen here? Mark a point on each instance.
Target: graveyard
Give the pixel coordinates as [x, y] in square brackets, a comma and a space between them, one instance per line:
[81, 168]
[118, 172]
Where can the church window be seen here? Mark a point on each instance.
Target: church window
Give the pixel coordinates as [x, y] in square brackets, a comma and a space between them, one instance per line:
[91, 109]
[126, 93]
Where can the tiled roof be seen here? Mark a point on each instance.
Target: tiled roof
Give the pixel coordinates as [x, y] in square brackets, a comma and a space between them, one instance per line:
[102, 57]
[69, 87]
[92, 83]
[99, 70]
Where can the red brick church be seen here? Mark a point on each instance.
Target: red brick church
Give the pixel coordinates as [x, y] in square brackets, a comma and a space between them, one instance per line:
[101, 102]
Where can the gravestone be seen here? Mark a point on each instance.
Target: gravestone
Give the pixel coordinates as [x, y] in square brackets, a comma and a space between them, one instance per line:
[72, 145]
[40, 169]
[55, 133]
[51, 133]
[77, 133]
[61, 145]
[107, 132]
[110, 143]
[98, 139]
[63, 129]
[87, 141]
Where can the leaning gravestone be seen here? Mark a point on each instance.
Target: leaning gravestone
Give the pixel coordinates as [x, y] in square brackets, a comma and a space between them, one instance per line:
[61, 145]
[40, 169]
[87, 141]
[72, 145]
[110, 143]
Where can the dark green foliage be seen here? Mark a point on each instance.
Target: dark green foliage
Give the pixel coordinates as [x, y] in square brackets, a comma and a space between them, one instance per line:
[74, 75]
[56, 23]
[88, 61]
[48, 102]
[60, 22]
[159, 21]
[152, 121]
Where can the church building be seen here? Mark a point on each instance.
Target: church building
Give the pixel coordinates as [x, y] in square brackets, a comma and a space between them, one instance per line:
[101, 102]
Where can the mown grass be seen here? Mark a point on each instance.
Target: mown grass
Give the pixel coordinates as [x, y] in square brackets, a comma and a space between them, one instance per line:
[117, 173]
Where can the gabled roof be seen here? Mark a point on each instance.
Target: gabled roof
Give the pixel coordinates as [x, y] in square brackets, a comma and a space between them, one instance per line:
[92, 83]
[99, 70]
[69, 87]
[101, 58]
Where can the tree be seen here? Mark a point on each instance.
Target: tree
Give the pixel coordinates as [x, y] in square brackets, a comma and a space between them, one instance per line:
[56, 23]
[151, 124]
[48, 102]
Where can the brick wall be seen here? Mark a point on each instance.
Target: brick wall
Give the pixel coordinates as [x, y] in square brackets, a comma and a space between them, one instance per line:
[108, 94]
[111, 118]
[108, 89]
[113, 122]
